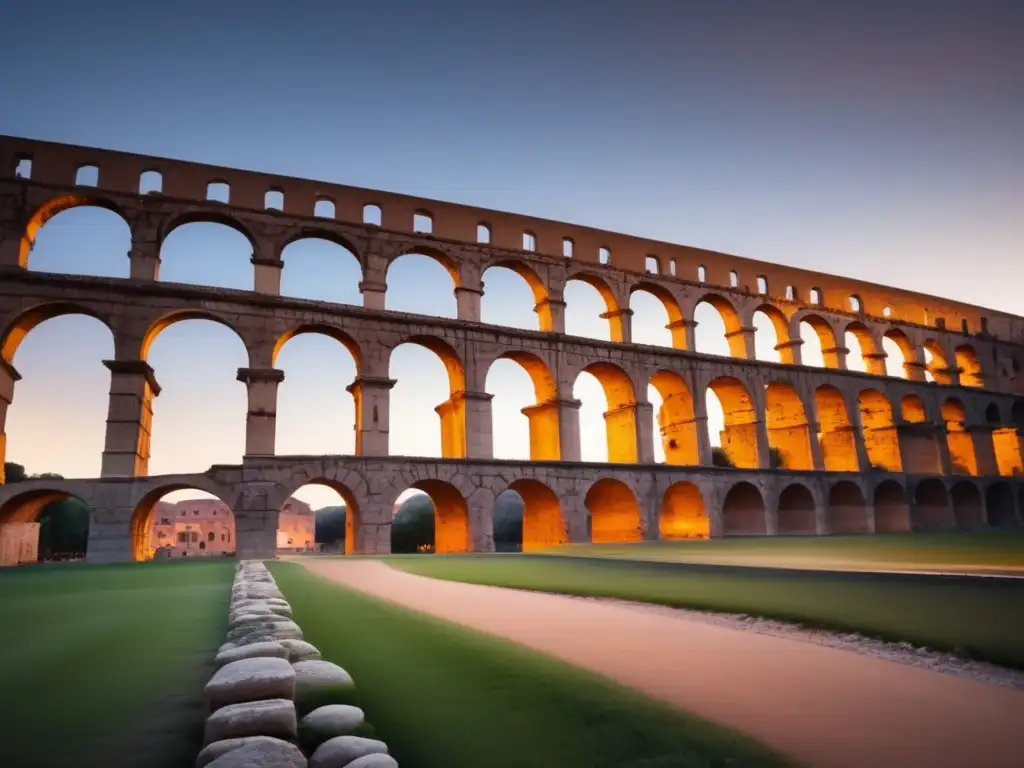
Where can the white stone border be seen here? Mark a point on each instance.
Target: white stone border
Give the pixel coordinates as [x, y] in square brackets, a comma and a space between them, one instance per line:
[273, 700]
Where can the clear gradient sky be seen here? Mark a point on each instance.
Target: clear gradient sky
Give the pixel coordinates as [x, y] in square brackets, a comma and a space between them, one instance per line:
[879, 140]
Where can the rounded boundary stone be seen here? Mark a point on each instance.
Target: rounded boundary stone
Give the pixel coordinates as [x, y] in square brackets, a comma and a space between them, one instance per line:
[375, 760]
[342, 750]
[266, 717]
[215, 749]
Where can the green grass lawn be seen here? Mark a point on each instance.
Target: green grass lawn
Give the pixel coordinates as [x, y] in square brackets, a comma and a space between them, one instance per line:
[992, 551]
[442, 695]
[984, 618]
[105, 665]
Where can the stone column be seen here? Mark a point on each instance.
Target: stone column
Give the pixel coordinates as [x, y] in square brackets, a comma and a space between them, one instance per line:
[256, 512]
[644, 416]
[915, 369]
[874, 363]
[835, 357]
[569, 428]
[790, 352]
[545, 440]
[984, 450]
[144, 261]
[817, 457]
[468, 303]
[552, 315]
[621, 325]
[921, 449]
[11, 234]
[683, 334]
[129, 418]
[7, 378]
[622, 430]
[741, 343]
[372, 397]
[373, 294]
[261, 417]
[110, 534]
[267, 275]
[466, 426]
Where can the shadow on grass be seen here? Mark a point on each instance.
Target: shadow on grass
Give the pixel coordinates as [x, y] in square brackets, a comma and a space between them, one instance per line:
[442, 695]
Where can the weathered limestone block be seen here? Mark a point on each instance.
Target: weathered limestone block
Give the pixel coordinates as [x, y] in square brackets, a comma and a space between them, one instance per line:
[300, 650]
[342, 750]
[326, 722]
[251, 651]
[279, 749]
[267, 717]
[318, 683]
[250, 680]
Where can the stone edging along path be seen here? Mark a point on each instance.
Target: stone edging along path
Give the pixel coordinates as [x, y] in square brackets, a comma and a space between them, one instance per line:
[273, 701]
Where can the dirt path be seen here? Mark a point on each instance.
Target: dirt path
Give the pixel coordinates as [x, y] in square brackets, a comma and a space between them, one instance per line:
[822, 706]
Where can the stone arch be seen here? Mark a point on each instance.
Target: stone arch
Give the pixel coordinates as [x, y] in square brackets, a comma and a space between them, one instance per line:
[427, 300]
[541, 305]
[543, 524]
[872, 355]
[880, 437]
[683, 515]
[545, 441]
[451, 516]
[452, 412]
[613, 312]
[999, 505]
[1017, 414]
[933, 509]
[51, 208]
[937, 368]
[620, 418]
[847, 510]
[351, 501]
[892, 513]
[27, 507]
[331, 257]
[968, 509]
[20, 326]
[967, 361]
[323, 329]
[918, 447]
[796, 511]
[906, 349]
[835, 432]
[780, 324]
[739, 437]
[162, 324]
[786, 423]
[433, 252]
[825, 335]
[676, 418]
[731, 320]
[676, 325]
[614, 513]
[743, 511]
[992, 415]
[141, 524]
[960, 442]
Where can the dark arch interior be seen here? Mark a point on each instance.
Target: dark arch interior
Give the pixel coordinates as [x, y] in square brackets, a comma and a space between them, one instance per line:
[999, 504]
[892, 513]
[968, 511]
[847, 512]
[743, 511]
[932, 508]
[614, 513]
[44, 525]
[796, 511]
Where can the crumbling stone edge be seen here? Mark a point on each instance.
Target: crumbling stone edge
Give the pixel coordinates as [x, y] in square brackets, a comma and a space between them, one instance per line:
[273, 701]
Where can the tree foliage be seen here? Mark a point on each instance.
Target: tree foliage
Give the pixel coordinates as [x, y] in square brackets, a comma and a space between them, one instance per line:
[329, 525]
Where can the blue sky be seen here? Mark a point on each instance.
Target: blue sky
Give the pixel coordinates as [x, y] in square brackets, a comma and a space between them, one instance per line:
[877, 140]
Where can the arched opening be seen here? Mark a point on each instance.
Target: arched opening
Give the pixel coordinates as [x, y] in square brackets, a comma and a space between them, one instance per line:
[614, 513]
[422, 384]
[1006, 444]
[321, 269]
[892, 513]
[541, 515]
[901, 357]
[57, 420]
[992, 414]
[683, 515]
[786, 422]
[419, 283]
[959, 440]
[846, 511]
[44, 525]
[657, 319]
[514, 297]
[314, 417]
[423, 222]
[87, 176]
[321, 515]
[213, 253]
[719, 329]
[970, 366]
[999, 506]
[919, 447]
[151, 183]
[743, 511]
[449, 517]
[771, 336]
[588, 302]
[796, 514]
[324, 208]
[819, 342]
[675, 419]
[881, 439]
[932, 508]
[218, 192]
[372, 215]
[200, 418]
[172, 521]
[738, 438]
[865, 354]
[77, 236]
[968, 511]
[524, 425]
[836, 434]
[619, 417]
[273, 200]
[936, 365]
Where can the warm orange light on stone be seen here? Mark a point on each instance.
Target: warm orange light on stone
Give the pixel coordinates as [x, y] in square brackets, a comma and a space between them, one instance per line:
[682, 513]
[614, 513]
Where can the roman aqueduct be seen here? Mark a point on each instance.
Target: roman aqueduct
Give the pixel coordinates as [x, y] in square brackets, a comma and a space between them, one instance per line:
[940, 448]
